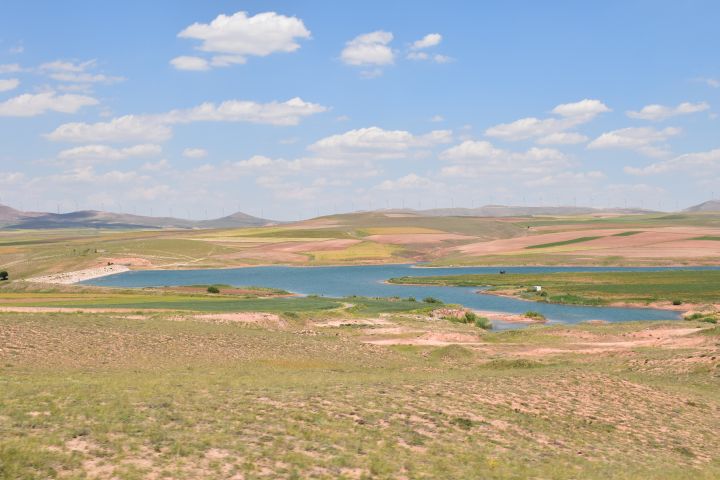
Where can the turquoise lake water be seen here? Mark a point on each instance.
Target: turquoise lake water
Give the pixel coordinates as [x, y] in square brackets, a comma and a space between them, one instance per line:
[368, 280]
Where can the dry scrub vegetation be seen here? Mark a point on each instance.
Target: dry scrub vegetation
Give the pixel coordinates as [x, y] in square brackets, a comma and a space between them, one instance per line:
[186, 395]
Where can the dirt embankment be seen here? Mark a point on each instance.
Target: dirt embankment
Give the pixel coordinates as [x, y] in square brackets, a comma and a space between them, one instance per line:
[67, 278]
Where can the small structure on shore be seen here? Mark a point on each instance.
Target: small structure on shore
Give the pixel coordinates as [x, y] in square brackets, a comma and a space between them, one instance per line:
[538, 288]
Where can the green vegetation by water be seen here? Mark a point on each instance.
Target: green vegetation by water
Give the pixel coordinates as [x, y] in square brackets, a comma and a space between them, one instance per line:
[594, 288]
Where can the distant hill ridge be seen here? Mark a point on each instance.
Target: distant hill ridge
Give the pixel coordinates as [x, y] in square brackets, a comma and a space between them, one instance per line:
[709, 206]
[517, 211]
[12, 218]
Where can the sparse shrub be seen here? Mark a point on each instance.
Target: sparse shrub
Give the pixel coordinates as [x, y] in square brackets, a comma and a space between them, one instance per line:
[534, 315]
[431, 300]
[4, 275]
[543, 293]
[411, 299]
[482, 322]
[213, 289]
[462, 422]
[677, 302]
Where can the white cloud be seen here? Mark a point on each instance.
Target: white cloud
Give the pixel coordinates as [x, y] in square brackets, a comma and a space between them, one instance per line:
[30, 105]
[156, 128]
[235, 37]
[429, 40]
[190, 63]
[10, 68]
[710, 82]
[107, 153]
[194, 153]
[156, 166]
[377, 143]
[411, 181]
[11, 178]
[128, 128]
[566, 178]
[583, 109]
[699, 163]
[64, 66]
[570, 115]
[562, 138]
[480, 158]
[369, 49]
[661, 112]
[273, 113]
[646, 140]
[76, 72]
[74, 77]
[7, 84]
[437, 118]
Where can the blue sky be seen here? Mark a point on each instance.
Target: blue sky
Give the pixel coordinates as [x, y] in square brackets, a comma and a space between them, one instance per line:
[291, 109]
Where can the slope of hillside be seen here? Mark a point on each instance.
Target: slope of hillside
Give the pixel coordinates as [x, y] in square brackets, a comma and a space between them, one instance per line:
[15, 219]
[709, 206]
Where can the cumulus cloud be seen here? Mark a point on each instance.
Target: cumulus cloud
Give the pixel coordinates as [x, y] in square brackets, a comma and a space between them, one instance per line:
[105, 153]
[369, 49]
[230, 39]
[156, 128]
[194, 153]
[31, 105]
[272, 113]
[586, 109]
[429, 40]
[190, 63]
[479, 158]
[661, 112]
[411, 181]
[646, 140]
[76, 72]
[377, 143]
[569, 115]
[699, 163]
[128, 128]
[10, 68]
[562, 138]
[7, 84]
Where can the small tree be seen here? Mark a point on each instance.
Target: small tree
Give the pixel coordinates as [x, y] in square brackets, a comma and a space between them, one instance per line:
[4, 275]
[213, 289]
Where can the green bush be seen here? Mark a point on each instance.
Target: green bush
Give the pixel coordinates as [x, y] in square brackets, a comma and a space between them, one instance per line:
[4, 275]
[482, 322]
[213, 289]
[431, 300]
[411, 299]
[677, 302]
[535, 315]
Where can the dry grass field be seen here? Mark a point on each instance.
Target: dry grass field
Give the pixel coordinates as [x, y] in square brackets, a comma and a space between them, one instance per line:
[159, 394]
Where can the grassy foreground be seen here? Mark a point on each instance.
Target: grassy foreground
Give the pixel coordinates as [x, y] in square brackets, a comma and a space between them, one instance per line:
[149, 395]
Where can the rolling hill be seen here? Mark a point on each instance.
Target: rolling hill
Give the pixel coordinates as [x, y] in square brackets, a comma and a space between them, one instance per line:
[709, 206]
[11, 218]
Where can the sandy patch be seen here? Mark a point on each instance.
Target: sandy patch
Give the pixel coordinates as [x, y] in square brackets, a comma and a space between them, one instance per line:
[256, 318]
[354, 322]
[67, 278]
[435, 339]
